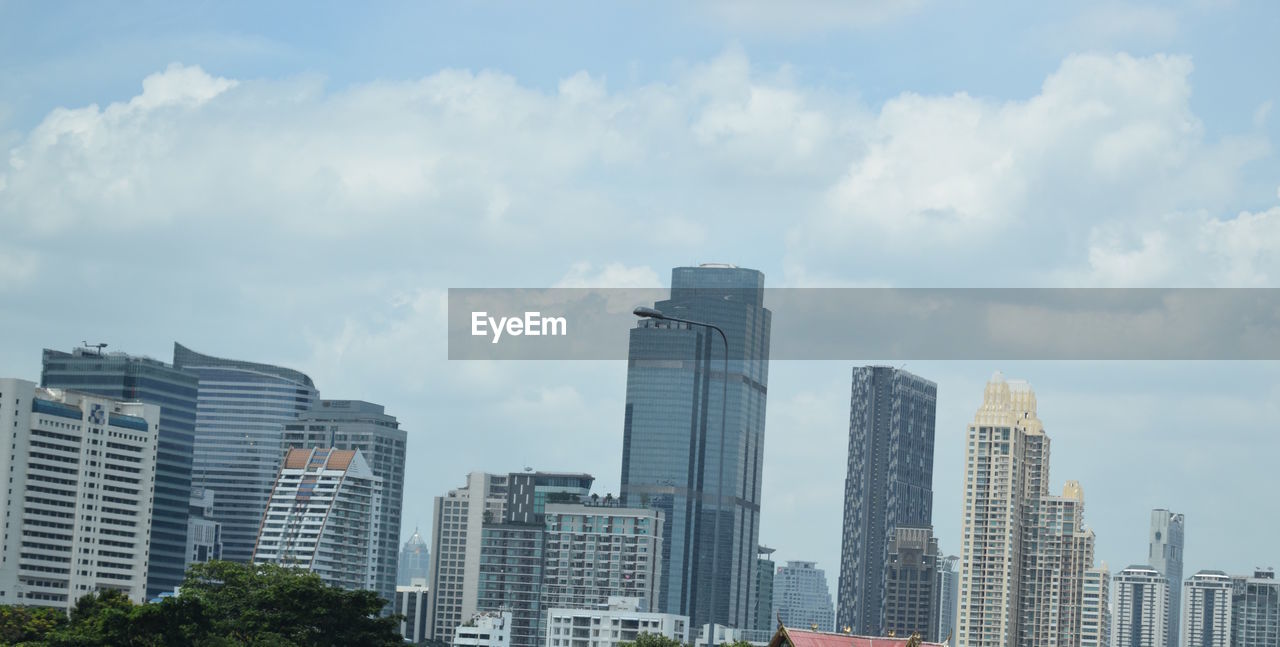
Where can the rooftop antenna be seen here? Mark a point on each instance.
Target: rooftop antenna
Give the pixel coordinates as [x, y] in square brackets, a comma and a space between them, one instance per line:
[97, 347]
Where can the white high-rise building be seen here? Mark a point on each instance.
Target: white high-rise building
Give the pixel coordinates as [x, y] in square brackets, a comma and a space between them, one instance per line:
[1165, 542]
[412, 602]
[948, 596]
[595, 553]
[801, 597]
[1024, 551]
[81, 471]
[1142, 608]
[324, 515]
[456, 537]
[1095, 608]
[1206, 613]
[621, 620]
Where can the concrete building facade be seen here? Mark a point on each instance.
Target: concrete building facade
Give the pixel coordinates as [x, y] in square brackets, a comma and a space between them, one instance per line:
[801, 597]
[81, 470]
[1095, 608]
[412, 601]
[1142, 608]
[324, 515]
[1206, 613]
[1025, 551]
[621, 619]
[1165, 543]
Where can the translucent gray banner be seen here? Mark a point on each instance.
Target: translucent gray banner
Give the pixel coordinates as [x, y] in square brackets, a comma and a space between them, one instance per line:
[893, 323]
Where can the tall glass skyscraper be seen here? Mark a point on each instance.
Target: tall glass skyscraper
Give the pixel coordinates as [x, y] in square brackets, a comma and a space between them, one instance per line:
[889, 484]
[671, 456]
[125, 377]
[241, 411]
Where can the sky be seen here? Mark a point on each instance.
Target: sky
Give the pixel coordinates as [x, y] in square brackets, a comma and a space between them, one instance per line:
[300, 183]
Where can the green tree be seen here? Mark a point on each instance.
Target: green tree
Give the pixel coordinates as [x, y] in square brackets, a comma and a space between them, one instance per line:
[28, 625]
[268, 604]
[222, 604]
[646, 639]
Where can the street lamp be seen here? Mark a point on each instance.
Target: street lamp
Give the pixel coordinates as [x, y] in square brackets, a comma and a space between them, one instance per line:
[653, 313]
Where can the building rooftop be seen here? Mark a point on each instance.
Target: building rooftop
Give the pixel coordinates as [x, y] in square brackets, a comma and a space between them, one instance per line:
[790, 637]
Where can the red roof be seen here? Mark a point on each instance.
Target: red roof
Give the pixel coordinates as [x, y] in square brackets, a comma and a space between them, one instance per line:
[803, 638]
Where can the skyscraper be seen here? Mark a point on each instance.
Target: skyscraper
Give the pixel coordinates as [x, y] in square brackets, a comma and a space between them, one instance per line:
[889, 483]
[911, 581]
[1206, 621]
[78, 510]
[1142, 608]
[1095, 608]
[323, 515]
[801, 597]
[415, 560]
[456, 534]
[355, 424]
[765, 566]
[241, 411]
[1165, 555]
[1255, 610]
[672, 457]
[126, 377]
[948, 596]
[1025, 551]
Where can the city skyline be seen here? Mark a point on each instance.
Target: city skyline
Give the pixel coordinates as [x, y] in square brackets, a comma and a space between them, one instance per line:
[302, 195]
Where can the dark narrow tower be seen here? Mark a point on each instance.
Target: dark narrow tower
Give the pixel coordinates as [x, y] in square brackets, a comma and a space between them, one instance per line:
[889, 484]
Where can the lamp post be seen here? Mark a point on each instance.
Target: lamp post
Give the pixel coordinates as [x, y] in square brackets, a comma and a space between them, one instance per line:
[652, 313]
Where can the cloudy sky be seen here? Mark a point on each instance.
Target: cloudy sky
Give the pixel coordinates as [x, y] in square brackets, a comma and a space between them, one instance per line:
[300, 183]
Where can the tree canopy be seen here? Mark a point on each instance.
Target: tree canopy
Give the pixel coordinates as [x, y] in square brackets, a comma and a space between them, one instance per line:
[222, 604]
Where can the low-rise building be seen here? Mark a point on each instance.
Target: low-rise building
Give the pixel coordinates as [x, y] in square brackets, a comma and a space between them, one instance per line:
[621, 621]
[412, 601]
[485, 629]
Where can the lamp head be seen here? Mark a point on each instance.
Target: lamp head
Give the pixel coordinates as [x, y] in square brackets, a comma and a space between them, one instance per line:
[648, 313]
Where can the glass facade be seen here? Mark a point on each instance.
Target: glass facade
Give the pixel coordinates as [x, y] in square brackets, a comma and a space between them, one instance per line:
[415, 560]
[241, 411]
[124, 377]
[672, 458]
[1255, 610]
[354, 424]
[889, 484]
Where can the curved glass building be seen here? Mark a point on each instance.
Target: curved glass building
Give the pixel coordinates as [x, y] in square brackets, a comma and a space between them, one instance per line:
[241, 411]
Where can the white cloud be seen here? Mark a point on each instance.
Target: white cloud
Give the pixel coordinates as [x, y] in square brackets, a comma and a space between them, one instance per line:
[1108, 139]
[612, 275]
